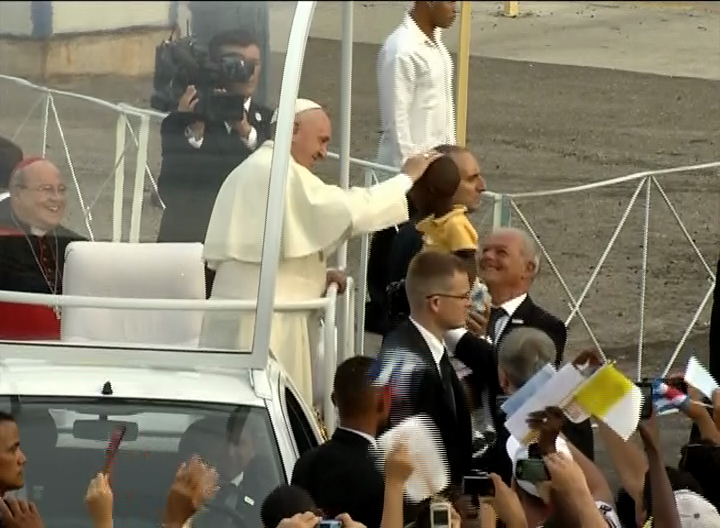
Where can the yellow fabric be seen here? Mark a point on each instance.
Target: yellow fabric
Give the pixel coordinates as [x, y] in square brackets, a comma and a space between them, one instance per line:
[603, 390]
[449, 233]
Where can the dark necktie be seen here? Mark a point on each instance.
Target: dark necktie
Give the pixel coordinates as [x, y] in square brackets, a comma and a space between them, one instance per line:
[446, 372]
[232, 495]
[495, 314]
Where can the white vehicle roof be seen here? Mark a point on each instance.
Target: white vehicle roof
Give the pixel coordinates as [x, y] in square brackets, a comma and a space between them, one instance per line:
[45, 378]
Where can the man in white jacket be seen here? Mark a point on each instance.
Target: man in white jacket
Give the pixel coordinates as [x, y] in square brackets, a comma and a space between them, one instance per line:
[318, 218]
[417, 112]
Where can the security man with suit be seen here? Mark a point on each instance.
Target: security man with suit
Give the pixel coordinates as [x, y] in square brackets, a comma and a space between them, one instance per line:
[342, 475]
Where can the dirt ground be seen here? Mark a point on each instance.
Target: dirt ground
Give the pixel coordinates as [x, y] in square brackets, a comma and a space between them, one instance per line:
[534, 127]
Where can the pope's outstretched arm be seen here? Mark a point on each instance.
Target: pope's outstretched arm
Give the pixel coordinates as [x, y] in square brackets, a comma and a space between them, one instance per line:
[373, 208]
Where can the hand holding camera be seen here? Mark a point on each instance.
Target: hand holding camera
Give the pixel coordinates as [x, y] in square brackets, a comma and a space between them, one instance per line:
[187, 103]
[300, 520]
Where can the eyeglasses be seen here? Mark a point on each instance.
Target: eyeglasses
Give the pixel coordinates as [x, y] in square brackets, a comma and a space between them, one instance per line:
[462, 296]
[48, 190]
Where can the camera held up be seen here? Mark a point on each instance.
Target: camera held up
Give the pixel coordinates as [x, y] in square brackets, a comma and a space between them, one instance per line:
[182, 62]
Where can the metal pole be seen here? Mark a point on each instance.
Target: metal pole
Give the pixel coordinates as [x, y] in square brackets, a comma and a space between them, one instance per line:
[511, 9]
[362, 296]
[346, 71]
[463, 69]
[275, 211]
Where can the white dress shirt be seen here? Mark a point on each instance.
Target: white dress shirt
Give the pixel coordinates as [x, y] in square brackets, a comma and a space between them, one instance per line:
[415, 86]
[4, 195]
[436, 346]
[250, 141]
[453, 336]
[371, 439]
[238, 480]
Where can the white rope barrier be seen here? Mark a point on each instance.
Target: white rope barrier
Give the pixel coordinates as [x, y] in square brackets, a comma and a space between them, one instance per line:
[139, 112]
[616, 181]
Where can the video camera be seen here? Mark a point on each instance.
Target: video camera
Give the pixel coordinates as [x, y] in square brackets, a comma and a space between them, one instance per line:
[182, 62]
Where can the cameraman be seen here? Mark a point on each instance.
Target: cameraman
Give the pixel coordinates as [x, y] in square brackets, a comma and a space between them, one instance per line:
[197, 153]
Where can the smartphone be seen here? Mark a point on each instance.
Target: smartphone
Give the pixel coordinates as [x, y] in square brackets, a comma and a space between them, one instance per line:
[330, 523]
[532, 470]
[440, 515]
[113, 445]
[480, 485]
[647, 404]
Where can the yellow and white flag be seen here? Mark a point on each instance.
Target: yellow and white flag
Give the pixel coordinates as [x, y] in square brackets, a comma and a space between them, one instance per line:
[610, 396]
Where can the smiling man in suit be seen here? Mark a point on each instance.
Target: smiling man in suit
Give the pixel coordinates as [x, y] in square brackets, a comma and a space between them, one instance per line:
[508, 264]
[438, 291]
[342, 475]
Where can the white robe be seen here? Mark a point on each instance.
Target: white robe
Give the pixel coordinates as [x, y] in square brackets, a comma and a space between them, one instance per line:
[318, 218]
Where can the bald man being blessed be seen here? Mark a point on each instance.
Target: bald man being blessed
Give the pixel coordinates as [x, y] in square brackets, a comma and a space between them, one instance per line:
[318, 218]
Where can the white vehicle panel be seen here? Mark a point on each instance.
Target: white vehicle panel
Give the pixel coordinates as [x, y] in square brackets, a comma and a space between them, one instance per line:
[40, 378]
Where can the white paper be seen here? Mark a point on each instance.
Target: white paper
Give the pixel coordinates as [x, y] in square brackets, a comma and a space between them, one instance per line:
[698, 376]
[427, 452]
[527, 391]
[555, 392]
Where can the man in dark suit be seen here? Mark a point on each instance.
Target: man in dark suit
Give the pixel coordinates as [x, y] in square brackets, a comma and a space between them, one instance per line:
[342, 475]
[247, 476]
[197, 155]
[438, 292]
[508, 264]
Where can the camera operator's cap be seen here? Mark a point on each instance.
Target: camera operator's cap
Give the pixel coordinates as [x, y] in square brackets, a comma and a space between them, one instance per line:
[301, 105]
[695, 511]
[516, 451]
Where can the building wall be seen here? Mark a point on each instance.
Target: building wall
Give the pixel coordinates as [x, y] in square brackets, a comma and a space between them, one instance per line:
[45, 38]
[84, 17]
[16, 18]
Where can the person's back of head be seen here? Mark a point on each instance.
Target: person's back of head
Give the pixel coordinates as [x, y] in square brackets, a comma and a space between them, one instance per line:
[423, 511]
[523, 352]
[10, 156]
[284, 502]
[433, 193]
[355, 395]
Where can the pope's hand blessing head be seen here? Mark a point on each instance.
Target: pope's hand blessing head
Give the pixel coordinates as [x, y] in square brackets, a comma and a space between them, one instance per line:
[415, 166]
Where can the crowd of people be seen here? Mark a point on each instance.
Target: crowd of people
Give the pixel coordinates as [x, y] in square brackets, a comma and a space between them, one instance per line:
[453, 307]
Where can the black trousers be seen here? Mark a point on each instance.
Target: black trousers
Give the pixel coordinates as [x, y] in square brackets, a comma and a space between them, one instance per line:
[381, 244]
[380, 248]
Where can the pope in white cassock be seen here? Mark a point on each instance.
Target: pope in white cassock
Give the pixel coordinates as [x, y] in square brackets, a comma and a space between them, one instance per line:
[318, 218]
